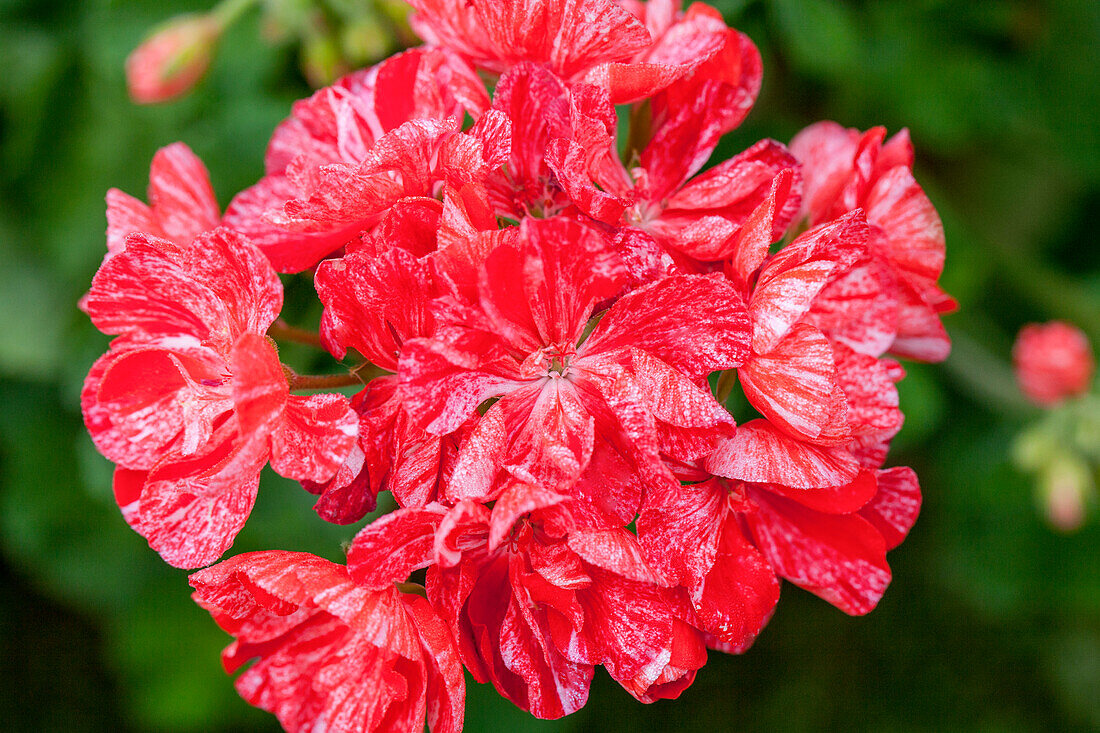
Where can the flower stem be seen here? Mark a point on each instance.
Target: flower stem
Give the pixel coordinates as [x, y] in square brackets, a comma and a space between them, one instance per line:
[323, 381]
[280, 330]
[229, 11]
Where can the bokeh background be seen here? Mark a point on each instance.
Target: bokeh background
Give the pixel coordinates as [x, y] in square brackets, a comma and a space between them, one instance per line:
[993, 619]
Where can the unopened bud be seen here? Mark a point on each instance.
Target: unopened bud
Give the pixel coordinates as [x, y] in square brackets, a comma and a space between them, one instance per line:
[1053, 361]
[1064, 490]
[172, 60]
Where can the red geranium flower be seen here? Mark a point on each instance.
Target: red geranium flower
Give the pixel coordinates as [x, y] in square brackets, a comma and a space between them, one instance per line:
[607, 403]
[844, 170]
[536, 607]
[329, 654]
[191, 401]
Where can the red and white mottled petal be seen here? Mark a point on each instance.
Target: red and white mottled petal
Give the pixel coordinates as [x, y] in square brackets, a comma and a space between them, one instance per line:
[446, 703]
[444, 382]
[191, 510]
[241, 278]
[374, 303]
[125, 216]
[921, 336]
[329, 653]
[694, 323]
[391, 547]
[260, 387]
[793, 385]
[873, 409]
[859, 307]
[839, 557]
[895, 507]
[518, 499]
[315, 436]
[747, 249]
[680, 527]
[826, 151]
[779, 302]
[139, 401]
[569, 36]
[739, 593]
[145, 290]
[630, 628]
[568, 160]
[843, 499]
[760, 453]
[914, 233]
[672, 398]
[180, 195]
[614, 550]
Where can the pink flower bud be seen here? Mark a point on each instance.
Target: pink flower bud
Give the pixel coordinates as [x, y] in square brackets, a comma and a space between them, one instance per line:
[1053, 361]
[172, 60]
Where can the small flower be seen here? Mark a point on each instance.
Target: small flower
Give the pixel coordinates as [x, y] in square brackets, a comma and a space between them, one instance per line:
[1053, 361]
[172, 60]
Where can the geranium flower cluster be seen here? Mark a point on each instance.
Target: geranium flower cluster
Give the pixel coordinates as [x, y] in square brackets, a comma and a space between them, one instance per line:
[513, 225]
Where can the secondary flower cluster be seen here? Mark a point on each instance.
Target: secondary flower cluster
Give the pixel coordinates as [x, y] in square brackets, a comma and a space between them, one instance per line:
[561, 303]
[1054, 368]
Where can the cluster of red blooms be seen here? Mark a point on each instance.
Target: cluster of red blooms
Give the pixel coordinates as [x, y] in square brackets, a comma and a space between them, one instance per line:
[549, 300]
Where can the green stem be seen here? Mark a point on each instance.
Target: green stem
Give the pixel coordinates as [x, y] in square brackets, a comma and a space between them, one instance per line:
[985, 376]
[230, 11]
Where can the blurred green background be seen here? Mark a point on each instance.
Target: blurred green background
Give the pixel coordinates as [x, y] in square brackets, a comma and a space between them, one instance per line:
[993, 619]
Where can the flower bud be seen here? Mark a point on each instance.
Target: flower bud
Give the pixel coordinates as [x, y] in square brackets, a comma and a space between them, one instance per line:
[1053, 361]
[1064, 489]
[172, 60]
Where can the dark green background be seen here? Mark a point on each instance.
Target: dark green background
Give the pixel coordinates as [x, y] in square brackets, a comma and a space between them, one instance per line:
[993, 620]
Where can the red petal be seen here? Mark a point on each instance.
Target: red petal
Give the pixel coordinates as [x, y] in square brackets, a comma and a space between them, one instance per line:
[895, 507]
[260, 388]
[330, 653]
[914, 233]
[841, 558]
[391, 547]
[694, 323]
[569, 37]
[738, 595]
[214, 290]
[680, 526]
[872, 398]
[314, 438]
[794, 384]
[190, 511]
[142, 402]
[833, 499]
[921, 335]
[374, 303]
[859, 307]
[760, 453]
[125, 216]
[792, 279]
[615, 550]
[180, 195]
